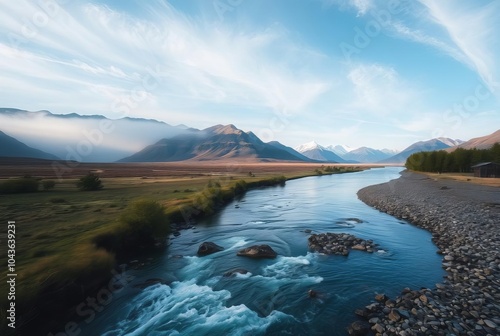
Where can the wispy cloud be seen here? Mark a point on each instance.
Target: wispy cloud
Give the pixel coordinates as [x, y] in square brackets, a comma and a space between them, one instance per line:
[95, 49]
[379, 89]
[474, 29]
[403, 31]
[361, 6]
[424, 122]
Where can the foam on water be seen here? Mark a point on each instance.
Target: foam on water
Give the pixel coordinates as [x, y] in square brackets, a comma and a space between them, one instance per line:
[187, 308]
[257, 222]
[236, 242]
[242, 276]
[196, 266]
[289, 267]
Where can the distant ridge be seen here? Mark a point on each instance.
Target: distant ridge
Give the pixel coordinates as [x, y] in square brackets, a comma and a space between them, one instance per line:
[11, 147]
[110, 139]
[289, 150]
[483, 142]
[314, 151]
[214, 143]
[366, 155]
[421, 146]
[343, 153]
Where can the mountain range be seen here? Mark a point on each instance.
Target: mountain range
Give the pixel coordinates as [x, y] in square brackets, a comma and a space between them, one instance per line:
[77, 137]
[45, 135]
[422, 146]
[214, 143]
[371, 155]
[314, 151]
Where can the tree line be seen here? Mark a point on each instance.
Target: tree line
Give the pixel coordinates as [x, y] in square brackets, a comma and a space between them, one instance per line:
[459, 161]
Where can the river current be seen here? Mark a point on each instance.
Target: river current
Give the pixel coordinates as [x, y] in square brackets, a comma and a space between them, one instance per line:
[271, 299]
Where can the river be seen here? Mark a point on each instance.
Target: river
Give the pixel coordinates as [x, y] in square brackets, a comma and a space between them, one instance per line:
[272, 298]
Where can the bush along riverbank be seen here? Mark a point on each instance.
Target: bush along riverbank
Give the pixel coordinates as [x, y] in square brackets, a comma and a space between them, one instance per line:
[466, 231]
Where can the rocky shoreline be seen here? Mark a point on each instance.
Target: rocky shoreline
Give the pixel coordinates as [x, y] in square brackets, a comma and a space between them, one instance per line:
[464, 220]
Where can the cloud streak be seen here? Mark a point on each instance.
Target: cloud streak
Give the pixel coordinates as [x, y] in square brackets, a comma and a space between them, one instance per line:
[91, 47]
[379, 90]
[474, 31]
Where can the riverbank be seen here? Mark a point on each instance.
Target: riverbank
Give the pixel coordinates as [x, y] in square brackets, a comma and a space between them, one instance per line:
[464, 220]
[465, 177]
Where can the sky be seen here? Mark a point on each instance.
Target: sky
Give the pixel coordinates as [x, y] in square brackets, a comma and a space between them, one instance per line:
[382, 74]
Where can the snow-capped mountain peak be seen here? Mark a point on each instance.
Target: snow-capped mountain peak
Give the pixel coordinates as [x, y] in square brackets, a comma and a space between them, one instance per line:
[340, 149]
[450, 142]
[390, 151]
[314, 151]
[308, 146]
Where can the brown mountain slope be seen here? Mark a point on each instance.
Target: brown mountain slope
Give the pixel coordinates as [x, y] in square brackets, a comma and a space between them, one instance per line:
[483, 142]
[214, 143]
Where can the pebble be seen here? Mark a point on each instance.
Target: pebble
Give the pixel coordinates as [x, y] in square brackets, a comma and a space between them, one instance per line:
[467, 234]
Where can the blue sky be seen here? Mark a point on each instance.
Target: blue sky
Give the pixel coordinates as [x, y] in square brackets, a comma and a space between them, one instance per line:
[372, 73]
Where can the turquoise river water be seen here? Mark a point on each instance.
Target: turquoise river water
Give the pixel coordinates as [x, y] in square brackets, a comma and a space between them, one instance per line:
[272, 298]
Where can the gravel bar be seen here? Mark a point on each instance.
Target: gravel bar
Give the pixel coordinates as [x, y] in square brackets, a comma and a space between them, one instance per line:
[464, 220]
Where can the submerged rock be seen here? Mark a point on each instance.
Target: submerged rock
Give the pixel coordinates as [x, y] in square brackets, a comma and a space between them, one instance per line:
[258, 251]
[207, 248]
[234, 272]
[359, 328]
[312, 293]
[356, 220]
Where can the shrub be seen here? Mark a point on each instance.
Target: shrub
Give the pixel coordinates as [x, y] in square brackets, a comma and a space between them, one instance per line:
[240, 187]
[143, 222]
[19, 185]
[48, 184]
[90, 182]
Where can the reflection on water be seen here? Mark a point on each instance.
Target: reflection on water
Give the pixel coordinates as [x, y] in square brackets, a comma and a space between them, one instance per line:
[271, 299]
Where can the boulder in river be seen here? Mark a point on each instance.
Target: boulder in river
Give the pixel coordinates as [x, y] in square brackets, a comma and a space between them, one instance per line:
[207, 248]
[258, 251]
[312, 293]
[359, 328]
[234, 272]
